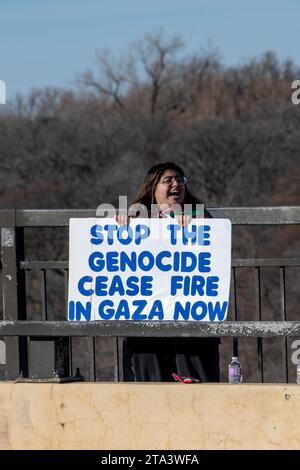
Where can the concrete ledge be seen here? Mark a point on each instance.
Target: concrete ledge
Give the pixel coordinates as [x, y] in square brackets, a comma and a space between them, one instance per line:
[149, 416]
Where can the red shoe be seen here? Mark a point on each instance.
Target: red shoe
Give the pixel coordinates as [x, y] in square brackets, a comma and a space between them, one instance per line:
[184, 380]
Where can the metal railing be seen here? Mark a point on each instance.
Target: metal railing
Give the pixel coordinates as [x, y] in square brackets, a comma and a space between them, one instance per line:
[20, 332]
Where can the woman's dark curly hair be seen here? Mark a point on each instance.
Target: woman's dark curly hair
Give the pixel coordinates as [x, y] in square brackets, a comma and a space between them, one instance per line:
[146, 194]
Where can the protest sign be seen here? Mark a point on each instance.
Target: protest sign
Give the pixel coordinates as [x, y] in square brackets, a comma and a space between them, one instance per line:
[152, 269]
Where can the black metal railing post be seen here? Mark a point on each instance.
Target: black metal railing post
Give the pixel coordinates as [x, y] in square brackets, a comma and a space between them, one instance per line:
[14, 292]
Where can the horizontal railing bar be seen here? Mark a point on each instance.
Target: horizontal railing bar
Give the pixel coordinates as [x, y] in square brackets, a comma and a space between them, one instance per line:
[257, 329]
[50, 217]
[236, 263]
[28, 264]
[265, 262]
[259, 215]
[238, 215]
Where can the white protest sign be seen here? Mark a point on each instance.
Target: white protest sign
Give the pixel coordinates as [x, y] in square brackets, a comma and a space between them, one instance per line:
[152, 269]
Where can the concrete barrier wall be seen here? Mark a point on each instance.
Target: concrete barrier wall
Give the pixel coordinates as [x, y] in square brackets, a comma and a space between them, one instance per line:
[149, 416]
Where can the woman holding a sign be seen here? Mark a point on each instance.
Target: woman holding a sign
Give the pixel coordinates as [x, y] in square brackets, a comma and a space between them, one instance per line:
[164, 194]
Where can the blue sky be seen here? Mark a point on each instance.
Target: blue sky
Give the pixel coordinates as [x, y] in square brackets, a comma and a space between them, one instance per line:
[49, 43]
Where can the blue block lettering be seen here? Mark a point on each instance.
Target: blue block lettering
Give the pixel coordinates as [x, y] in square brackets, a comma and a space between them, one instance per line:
[199, 310]
[106, 313]
[96, 261]
[97, 236]
[182, 310]
[218, 311]
[212, 286]
[123, 310]
[81, 286]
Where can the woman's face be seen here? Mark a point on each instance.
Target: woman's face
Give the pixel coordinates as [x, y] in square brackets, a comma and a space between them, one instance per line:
[170, 190]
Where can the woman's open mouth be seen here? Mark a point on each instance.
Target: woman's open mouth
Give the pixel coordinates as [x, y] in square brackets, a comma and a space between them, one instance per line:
[174, 193]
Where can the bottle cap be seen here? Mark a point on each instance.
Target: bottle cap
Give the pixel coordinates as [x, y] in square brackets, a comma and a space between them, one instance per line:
[235, 358]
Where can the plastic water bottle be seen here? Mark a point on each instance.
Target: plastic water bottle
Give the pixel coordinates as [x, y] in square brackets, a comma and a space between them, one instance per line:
[235, 371]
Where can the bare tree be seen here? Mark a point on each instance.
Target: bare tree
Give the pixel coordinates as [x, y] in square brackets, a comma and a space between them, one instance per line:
[149, 65]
